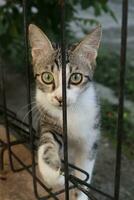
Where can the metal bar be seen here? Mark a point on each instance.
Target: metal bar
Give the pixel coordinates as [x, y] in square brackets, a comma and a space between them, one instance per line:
[60, 192]
[30, 172]
[3, 89]
[8, 111]
[3, 148]
[13, 116]
[86, 192]
[80, 170]
[25, 21]
[120, 122]
[65, 138]
[75, 180]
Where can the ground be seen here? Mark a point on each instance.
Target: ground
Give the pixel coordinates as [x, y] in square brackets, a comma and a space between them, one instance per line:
[18, 186]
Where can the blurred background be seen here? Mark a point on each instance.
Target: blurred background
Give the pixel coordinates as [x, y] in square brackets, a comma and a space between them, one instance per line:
[81, 17]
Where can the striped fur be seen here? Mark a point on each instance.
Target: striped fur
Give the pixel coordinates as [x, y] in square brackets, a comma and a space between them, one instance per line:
[82, 105]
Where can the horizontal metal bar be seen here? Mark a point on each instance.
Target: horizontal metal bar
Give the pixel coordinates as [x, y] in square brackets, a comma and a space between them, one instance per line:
[59, 192]
[86, 192]
[8, 111]
[37, 179]
[70, 165]
[12, 143]
[79, 181]
[80, 170]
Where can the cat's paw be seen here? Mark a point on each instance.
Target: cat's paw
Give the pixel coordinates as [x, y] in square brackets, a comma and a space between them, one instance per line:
[83, 197]
[80, 195]
[50, 166]
[52, 160]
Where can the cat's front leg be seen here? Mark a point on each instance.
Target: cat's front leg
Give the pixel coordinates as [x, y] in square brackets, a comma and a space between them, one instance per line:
[85, 162]
[49, 160]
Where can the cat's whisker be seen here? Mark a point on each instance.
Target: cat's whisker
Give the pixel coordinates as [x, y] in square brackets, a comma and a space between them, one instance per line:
[25, 106]
[21, 125]
[36, 115]
[34, 108]
[83, 134]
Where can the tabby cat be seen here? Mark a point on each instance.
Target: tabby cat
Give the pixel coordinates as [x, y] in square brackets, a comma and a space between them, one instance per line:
[82, 104]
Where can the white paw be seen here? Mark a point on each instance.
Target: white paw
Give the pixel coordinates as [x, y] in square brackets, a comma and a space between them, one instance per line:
[50, 167]
[82, 197]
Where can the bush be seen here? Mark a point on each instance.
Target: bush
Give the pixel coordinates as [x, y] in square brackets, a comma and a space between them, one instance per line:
[44, 13]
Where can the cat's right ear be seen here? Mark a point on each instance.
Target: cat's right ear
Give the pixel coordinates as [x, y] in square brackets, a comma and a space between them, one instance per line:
[39, 42]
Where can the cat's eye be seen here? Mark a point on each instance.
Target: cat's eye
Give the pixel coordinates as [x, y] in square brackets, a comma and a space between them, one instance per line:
[76, 78]
[47, 78]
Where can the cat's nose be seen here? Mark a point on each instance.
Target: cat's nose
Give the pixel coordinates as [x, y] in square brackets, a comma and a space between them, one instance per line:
[59, 99]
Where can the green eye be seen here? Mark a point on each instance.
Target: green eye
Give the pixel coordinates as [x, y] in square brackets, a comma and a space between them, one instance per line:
[76, 78]
[47, 78]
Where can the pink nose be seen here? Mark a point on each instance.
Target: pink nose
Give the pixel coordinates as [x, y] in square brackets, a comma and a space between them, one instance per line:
[59, 99]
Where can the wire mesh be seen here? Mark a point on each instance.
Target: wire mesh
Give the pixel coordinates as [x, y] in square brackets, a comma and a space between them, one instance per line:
[28, 134]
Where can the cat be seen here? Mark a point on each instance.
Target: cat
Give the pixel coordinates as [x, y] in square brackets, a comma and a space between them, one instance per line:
[82, 105]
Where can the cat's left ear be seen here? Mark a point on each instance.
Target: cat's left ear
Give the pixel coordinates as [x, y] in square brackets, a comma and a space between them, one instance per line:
[39, 43]
[88, 48]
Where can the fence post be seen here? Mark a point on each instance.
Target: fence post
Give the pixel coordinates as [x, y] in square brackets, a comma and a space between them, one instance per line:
[120, 121]
[28, 74]
[65, 138]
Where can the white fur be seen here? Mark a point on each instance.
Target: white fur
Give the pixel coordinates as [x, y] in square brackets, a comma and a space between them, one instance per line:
[81, 114]
[82, 109]
[82, 196]
[50, 176]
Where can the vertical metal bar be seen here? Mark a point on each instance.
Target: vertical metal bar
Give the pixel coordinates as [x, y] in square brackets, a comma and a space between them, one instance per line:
[63, 50]
[5, 114]
[25, 21]
[121, 96]
[3, 148]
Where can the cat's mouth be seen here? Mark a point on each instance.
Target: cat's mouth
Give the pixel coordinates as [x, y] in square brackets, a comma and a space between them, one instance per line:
[60, 106]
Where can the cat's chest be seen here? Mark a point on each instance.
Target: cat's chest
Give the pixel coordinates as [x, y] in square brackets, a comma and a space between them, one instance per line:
[78, 124]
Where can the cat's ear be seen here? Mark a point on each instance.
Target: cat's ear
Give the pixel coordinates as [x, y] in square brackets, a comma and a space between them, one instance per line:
[88, 48]
[39, 42]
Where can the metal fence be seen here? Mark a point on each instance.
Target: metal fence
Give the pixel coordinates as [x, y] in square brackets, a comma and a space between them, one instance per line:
[28, 135]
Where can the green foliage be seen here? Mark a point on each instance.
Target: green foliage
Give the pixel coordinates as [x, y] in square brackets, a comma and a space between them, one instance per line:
[109, 114]
[107, 73]
[44, 13]
[109, 64]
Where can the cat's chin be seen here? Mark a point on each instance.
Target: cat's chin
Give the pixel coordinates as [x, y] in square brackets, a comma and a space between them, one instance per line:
[59, 108]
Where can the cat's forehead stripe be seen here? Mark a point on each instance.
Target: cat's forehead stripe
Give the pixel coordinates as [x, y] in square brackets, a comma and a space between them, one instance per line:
[55, 67]
[57, 64]
[58, 59]
[70, 68]
[52, 67]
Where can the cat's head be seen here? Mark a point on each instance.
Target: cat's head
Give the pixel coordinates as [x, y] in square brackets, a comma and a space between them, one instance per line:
[47, 67]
